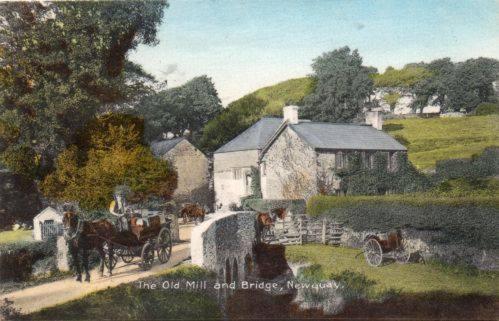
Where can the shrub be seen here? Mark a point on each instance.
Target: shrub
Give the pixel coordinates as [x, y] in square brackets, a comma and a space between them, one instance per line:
[487, 109]
[470, 222]
[266, 205]
[478, 166]
[17, 259]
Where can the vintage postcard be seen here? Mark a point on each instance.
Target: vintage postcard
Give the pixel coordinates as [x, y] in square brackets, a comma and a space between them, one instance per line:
[249, 160]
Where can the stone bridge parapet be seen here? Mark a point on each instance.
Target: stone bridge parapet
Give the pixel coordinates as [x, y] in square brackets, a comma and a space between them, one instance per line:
[224, 244]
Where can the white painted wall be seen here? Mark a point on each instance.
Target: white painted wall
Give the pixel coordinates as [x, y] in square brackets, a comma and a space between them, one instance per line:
[48, 213]
[230, 176]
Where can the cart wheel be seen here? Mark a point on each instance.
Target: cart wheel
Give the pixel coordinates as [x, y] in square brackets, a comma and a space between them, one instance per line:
[373, 252]
[147, 256]
[114, 259]
[164, 245]
[127, 256]
[402, 255]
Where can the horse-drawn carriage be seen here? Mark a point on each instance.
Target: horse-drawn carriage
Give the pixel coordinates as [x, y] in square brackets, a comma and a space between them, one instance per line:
[390, 245]
[139, 234]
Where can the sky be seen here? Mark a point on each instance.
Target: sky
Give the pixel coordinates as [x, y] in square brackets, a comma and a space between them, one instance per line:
[246, 45]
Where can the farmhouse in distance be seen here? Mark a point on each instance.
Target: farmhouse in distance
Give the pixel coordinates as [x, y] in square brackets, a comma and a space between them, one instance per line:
[296, 157]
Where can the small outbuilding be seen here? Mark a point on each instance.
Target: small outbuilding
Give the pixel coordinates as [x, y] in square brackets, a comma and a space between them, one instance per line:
[47, 223]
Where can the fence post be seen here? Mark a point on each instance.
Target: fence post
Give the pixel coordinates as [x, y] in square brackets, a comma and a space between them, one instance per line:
[300, 230]
[324, 231]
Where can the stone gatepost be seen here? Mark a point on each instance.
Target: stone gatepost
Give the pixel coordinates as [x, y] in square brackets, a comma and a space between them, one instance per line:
[62, 254]
[174, 228]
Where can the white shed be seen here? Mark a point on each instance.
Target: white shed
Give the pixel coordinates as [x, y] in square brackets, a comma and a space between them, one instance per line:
[48, 222]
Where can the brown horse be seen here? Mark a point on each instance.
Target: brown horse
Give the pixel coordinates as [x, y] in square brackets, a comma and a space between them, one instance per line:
[265, 221]
[84, 236]
[193, 211]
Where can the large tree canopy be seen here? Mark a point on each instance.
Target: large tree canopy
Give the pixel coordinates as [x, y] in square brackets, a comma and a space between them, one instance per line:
[188, 107]
[236, 118]
[109, 152]
[343, 86]
[59, 63]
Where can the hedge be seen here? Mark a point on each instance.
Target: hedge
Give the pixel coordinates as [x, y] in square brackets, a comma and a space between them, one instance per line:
[471, 222]
[17, 259]
[487, 109]
[265, 205]
[483, 165]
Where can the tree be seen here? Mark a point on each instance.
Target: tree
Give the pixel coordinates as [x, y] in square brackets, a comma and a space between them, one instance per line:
[59, 63]
[109, 153]
[236, 118]
[188, 107]
[343, 86]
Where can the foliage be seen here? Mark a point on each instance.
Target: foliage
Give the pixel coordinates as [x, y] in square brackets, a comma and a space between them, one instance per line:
[127, 301]
[391, 99]
[256, 190]
[8, 311]
[17, 259]
[267, 205]
[487, 109]
[343, 85]
[462, 187]
[476, 167]
[233, 120]
[60, 63]
[462, 221]
[20, 200]
[408, 278]
[434, 139]
[188, 107]
[406, 77]
[360, 179]
[109, 153]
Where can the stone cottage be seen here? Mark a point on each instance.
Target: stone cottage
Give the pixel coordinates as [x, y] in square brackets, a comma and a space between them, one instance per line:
[296, 158]
[192, 167]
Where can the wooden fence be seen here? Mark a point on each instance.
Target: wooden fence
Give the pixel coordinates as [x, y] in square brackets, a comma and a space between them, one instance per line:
[302, 229]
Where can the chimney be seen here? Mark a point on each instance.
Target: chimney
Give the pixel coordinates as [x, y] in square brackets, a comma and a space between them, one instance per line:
[290, 114]
[375, 119]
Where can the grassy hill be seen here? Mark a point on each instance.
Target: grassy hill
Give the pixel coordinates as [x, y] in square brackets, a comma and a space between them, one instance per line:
[278, 95]
[433, 139]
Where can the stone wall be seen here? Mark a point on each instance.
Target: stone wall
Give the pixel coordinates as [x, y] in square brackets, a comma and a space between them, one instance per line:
[224, 244]
[421, 242]
[290, 168]
[192, 169]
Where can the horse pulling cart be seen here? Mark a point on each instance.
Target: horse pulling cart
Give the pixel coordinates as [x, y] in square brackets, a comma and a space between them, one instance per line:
[389, 245]
[139, 235]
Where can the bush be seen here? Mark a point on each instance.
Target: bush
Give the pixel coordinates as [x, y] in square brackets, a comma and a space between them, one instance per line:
[478, 166]
[487, 109]
[470, 222]
[17, 259]
[266, 205]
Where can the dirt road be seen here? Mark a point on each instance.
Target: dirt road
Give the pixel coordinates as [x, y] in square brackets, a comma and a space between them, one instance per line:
[49, 294]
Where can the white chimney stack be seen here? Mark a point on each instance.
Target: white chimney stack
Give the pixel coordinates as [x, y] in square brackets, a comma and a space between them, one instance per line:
[375, 119]
[290, 114]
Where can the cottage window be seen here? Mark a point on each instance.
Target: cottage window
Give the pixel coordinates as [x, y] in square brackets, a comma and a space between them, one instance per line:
[237, 173]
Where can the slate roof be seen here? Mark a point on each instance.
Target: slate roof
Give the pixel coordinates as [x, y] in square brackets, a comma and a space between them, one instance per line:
[319, 135]
[345, 136]
[159, 148]
[254, 137]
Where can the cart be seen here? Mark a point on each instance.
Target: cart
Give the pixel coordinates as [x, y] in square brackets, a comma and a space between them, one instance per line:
[380, 246]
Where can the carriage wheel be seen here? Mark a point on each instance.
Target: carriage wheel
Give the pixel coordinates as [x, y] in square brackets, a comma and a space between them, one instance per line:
[114, 259]
[164, 245]
[147, 256]
[127, 255]
[373, 252]
[402, 255]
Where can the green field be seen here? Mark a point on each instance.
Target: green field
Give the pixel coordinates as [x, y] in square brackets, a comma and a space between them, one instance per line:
[409, 278]
[433, 139]
[15, 236]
